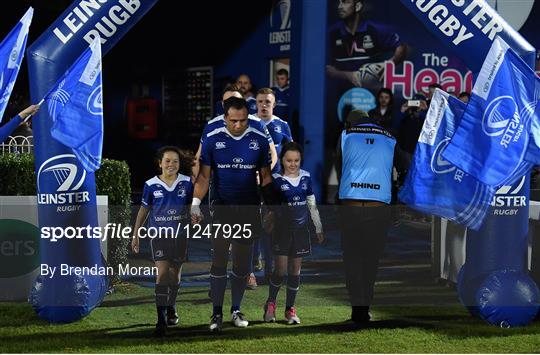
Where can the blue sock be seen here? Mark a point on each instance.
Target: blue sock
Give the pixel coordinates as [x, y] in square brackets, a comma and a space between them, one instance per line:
[161, 293]
[273, 287]
[293, 284]
[238, 287]
[218, 284]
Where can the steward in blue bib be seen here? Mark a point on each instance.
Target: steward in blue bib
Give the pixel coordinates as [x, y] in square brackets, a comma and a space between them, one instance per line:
[365, 158]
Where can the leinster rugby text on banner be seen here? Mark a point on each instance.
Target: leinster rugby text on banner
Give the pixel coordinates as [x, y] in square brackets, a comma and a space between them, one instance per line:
[113, 230]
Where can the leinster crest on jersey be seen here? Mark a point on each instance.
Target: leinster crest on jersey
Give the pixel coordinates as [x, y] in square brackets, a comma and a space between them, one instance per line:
[254, 145]
[182, 191]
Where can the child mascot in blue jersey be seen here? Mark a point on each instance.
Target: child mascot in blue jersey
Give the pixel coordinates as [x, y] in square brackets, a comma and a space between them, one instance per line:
[165, 204]
[291, 237]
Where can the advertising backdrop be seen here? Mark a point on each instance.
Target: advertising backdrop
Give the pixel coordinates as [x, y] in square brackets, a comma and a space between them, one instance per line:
[391, 48]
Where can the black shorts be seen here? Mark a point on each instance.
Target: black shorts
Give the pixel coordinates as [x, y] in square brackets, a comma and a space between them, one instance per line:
[173, 250]
[295, 243]
[240, 218]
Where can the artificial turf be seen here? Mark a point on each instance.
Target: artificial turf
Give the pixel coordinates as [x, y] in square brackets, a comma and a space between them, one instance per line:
[408, 318]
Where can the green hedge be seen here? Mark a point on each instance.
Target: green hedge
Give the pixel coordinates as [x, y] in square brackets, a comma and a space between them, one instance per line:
[112, 179]
[17, 178]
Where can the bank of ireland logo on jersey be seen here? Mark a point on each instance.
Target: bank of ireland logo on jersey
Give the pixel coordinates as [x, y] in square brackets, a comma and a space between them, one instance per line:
[439, 165]
[59, 182]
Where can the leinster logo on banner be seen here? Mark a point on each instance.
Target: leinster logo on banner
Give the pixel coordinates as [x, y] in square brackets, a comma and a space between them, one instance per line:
[280, 26]
[281, 15]
[95, 102]
[59, 182]
[498, 114]
[439, 165]
[61, 171]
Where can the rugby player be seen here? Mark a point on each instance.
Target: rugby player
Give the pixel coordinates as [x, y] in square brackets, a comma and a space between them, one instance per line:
[234, 153]
[281, 92]
[355, 42]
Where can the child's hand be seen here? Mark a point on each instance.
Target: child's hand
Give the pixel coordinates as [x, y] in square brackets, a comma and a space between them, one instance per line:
[30, 110]
[135, 244]
[196, 214]
[320, 238]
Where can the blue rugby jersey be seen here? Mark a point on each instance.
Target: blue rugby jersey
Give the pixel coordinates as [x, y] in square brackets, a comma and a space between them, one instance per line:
[167, 204]
[219, 121]
[252, 105]
[234, 162]
[282, 101]
[367, 160]
[293, 193]
[372, 42]
[281, 133]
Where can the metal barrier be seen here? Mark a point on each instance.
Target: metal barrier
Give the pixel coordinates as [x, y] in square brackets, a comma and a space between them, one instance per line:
[17, 145]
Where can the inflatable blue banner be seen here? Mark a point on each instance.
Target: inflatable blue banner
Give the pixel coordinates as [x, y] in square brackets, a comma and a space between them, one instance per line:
[468, 27]
[493, 283]
[66, 192]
